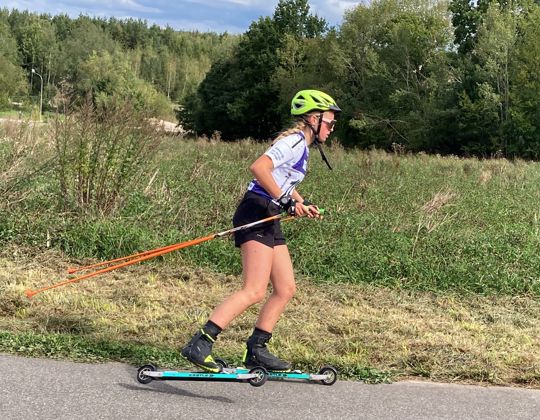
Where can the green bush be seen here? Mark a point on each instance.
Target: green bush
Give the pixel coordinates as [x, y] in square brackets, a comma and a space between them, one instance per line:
[100, 155]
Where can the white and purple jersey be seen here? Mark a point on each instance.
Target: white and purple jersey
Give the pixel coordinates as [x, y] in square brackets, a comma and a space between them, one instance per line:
[289, 156]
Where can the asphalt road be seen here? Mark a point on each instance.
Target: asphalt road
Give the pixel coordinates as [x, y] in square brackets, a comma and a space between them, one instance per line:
[48, 389]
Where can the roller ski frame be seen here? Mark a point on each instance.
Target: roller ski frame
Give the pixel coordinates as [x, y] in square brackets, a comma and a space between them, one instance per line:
[327, 375]
[255, 377]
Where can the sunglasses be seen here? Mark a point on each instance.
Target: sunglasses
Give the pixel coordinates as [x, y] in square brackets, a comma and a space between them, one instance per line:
[331, 123]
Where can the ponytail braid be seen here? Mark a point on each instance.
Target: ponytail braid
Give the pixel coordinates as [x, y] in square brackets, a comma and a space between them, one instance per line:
[298, 127]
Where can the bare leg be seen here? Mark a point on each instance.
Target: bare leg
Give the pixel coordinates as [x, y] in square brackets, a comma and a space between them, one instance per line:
[257, 263]
[284, 288]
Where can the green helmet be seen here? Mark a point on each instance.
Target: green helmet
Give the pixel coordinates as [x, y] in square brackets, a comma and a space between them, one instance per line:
[312, 100]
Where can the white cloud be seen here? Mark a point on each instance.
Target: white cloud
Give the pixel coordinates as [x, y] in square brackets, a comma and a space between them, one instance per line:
[104, 6]
[91, 7]
[133, 5]
[332, 10]
[233, 16]
[267, 6]
[257, 4]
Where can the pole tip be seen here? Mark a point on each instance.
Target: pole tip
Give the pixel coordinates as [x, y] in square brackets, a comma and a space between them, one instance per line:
[30, 293]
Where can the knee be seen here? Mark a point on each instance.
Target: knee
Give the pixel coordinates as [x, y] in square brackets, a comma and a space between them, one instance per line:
[286, 293]
[254, 296]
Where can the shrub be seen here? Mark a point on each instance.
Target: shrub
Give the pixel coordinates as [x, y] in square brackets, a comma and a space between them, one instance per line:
[101, 152]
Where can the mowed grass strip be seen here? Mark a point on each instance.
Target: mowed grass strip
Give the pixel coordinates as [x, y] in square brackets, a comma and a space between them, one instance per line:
[145, 313]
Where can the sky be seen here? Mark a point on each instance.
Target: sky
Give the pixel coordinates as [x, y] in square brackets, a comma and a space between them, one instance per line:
[233, 16]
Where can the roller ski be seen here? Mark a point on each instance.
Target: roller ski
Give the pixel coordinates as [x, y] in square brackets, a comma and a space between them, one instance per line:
[327, 375]
[255, 377]
[199, 352]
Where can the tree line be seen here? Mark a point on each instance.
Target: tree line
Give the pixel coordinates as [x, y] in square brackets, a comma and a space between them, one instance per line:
[106, 59]
[449, 77]
[455, 77]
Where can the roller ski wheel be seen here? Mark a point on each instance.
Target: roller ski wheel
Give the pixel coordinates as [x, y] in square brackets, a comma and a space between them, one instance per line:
[222, 363]
[141, 374]
[331, 375]
[260, 379]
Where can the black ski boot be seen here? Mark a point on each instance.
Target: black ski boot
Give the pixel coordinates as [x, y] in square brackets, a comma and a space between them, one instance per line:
[199, 352]
[257, 354]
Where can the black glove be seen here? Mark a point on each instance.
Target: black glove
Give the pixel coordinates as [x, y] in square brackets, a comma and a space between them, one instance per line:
[288, 205]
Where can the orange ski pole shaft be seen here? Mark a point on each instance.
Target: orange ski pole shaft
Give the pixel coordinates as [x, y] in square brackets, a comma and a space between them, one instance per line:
[148, 255]
[102, 263]
[32, 293]
[140, 254]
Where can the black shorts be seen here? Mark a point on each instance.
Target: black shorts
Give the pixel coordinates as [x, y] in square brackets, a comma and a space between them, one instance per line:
[255, 207]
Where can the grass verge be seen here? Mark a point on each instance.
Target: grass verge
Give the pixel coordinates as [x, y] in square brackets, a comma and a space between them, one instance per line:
[145, 313]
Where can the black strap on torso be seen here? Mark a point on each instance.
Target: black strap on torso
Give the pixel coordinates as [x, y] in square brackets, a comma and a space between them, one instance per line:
[318, 146]
[316, 139]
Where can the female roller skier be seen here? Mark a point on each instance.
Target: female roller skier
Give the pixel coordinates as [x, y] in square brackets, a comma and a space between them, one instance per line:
[265, 255]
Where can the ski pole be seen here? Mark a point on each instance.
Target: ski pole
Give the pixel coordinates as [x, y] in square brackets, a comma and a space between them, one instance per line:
[158, 251]
[102, 263]
[143, 256]
[32, 293]
[152, 251]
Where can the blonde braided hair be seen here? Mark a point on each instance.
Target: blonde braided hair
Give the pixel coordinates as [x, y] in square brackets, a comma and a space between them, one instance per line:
[298, 127]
